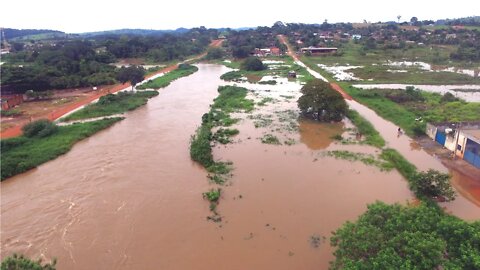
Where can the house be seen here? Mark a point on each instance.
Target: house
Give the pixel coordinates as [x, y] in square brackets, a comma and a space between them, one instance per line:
[463, 139]
[266, 52]
[319, 50]
[292, 74]
[356, 37]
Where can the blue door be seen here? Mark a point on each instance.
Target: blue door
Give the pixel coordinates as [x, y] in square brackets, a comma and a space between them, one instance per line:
[472, 153]
[441, 138]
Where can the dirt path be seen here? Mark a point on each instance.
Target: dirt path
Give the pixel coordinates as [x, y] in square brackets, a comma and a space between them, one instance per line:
[292, 53]
[53, 115]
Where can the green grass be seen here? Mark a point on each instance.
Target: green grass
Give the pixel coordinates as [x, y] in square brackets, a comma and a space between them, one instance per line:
[113, 104]
[10, 113]
[223, 135]
[270, 139]
[379, 74]
[384, 165]
[407, 169]
[230, 99]
[21, 154]
[372, 137]
[166, 79]
[432, 109]
[279, 71]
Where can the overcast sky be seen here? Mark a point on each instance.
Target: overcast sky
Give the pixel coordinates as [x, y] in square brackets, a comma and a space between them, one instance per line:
[97, 15]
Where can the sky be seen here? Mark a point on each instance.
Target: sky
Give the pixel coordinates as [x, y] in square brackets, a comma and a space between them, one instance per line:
[97, 15]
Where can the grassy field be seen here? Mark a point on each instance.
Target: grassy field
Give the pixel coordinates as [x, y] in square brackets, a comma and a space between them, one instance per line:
[432, 108]
[113, 104]
[372, 137]
[21, 153]
[165, 80]
[374, 70]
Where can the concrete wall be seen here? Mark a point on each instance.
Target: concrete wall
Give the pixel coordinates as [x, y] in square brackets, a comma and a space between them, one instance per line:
[431, 131]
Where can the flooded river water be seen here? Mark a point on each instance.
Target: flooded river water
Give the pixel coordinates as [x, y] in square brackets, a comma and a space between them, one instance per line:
[130, 197]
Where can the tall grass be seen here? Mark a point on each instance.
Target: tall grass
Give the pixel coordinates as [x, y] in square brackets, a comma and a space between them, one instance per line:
[163, 81]
[372, 137]
[21, 154]
[113, 104]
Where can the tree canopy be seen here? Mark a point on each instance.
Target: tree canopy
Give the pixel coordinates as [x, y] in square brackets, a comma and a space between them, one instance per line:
[321, 102]
[253, 64]
[406, 237]
[433, 184]
[133, 74]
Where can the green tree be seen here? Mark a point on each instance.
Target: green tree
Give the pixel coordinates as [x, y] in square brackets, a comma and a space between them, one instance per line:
[253, 64]
[433, 184]
[215, 53]
[321, 102]
[134, 74]
[406, 237]
[16, 262]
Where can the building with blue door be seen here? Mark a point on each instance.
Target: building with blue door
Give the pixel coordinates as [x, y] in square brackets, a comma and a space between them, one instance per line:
[463, 139]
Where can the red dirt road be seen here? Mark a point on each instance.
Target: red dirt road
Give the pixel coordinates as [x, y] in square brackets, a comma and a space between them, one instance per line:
[341, 91]
[290, 52]
[59, 112]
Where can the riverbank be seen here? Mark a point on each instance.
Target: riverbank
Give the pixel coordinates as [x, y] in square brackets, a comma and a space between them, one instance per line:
[22, 154]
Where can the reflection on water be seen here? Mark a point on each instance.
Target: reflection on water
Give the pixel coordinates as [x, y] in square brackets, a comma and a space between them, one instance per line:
[317, 135]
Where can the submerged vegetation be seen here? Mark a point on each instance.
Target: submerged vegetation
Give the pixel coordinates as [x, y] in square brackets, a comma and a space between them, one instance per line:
[20, 262]
[372, 137]
[24, 153]
[230, 99]
[164, 80]
[364, 158]
[113, 104]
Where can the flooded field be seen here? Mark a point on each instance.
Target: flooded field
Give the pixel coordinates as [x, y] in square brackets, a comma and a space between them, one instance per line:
[469, 93]
[131, 198]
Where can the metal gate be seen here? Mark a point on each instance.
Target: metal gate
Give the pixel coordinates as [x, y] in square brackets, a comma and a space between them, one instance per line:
[441, 137]
[471, 158]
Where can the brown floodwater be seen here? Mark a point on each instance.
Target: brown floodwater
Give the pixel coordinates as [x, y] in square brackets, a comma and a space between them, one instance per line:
[130, 197]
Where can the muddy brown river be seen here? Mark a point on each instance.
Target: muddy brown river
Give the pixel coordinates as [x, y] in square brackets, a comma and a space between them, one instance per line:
[130, 197]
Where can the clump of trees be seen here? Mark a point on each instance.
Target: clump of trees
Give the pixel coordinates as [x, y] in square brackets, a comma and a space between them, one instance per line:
[253, 64]
[319, 101]
[132, 74]
[215, 53]
[406, 237]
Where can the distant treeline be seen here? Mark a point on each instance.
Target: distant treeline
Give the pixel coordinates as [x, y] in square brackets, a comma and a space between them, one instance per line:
[61, 64]
[13, 33]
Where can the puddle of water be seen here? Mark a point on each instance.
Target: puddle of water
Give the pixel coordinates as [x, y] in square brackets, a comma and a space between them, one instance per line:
[340, 72]
[427, 67]
[318, 136]
[469, 93]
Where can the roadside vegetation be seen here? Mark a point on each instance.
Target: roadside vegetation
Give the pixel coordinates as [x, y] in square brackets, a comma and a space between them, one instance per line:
[163, 81]
[113, 104]
[365, 128]
[42, 142]
[404, 107]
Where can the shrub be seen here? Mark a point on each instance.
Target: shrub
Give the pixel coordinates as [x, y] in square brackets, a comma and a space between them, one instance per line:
[40, 128]
[253, 64]
[213, 195]
[433, 184]
[16, 262]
